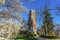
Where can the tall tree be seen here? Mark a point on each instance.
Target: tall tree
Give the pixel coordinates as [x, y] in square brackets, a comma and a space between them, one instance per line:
[12, 8]
[47, 22]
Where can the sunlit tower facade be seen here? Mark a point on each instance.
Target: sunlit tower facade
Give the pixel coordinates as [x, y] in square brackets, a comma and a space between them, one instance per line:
[32, 21]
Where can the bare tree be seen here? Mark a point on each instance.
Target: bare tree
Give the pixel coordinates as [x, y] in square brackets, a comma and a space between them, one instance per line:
[12, 9]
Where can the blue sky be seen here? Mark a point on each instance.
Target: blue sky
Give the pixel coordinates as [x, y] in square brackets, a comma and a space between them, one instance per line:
[40, 4]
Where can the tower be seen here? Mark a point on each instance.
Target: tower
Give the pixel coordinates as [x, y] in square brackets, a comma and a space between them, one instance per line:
[32, 21]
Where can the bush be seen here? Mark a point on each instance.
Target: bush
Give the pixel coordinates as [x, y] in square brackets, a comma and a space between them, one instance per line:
[25, 34]
[8, 30]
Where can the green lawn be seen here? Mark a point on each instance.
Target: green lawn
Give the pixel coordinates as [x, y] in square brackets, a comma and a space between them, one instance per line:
[50, 37]
[25, 39]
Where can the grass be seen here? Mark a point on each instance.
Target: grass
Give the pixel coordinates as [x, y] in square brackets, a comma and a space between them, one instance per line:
[50, 37]
[19, 38]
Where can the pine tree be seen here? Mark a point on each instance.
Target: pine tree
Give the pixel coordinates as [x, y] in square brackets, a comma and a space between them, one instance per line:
[47, 22]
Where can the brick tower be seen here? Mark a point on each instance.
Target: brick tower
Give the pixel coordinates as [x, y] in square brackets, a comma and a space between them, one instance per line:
[32, 21]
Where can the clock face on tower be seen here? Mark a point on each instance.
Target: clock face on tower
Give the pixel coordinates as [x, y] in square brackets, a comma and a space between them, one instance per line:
[2, 2]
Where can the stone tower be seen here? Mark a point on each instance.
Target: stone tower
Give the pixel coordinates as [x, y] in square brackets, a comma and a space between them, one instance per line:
[32, 21]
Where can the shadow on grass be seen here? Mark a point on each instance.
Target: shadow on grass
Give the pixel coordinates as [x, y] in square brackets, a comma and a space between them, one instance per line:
[50, 37]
